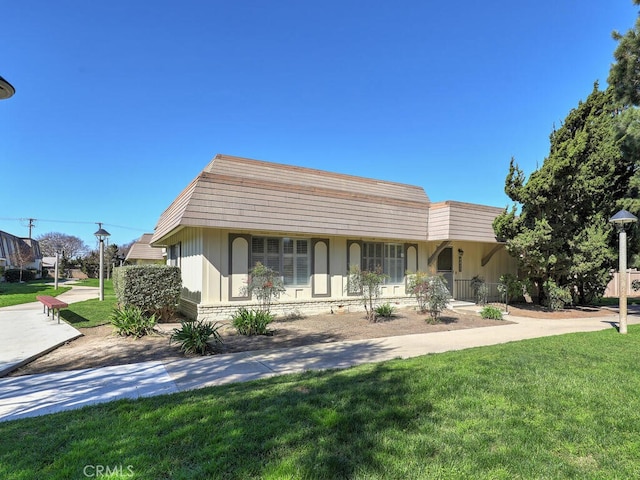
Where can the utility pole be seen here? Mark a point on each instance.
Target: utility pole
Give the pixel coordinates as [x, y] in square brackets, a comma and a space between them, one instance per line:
[31, 225]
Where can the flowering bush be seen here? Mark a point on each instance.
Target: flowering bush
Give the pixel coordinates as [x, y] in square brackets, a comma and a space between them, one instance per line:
[265, 285]
[367, 283]
[431, 293]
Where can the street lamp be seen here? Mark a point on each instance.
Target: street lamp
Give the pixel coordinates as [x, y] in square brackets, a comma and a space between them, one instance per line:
[6, 89]
[57, 272]
[621, 220]
[101, 234]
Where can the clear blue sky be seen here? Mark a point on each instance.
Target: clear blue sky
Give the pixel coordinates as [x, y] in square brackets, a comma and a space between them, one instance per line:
[120, 104]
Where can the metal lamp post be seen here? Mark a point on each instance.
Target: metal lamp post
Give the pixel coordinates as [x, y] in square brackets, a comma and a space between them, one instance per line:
[621, 220]
[101, 234]
[57, 269]
[6, 89]
[57, 260]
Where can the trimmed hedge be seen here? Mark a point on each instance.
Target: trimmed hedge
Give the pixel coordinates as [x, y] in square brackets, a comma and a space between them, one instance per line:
[155, 289]
[12, 275]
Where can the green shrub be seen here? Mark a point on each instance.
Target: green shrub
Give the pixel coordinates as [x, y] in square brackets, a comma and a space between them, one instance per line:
[386, 310]
[510, 287]
[557, 297]
[153, 288]
[482, 294]
[431, 293]
[252, 322]
[439, 297]
[480, 290]
[194, 336]
[419, 288]
[493, 313]
[129, 320]
[15, 275]
[368, 285]
[265, 285]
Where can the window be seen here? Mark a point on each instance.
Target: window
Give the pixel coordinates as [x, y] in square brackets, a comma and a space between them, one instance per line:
[266, 251]
[372, 256]
[288, 256]
[387, 256]
[173, 255]
[394, 262]
[295, 261]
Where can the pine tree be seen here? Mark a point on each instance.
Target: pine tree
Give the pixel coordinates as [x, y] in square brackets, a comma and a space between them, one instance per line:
[562, 231]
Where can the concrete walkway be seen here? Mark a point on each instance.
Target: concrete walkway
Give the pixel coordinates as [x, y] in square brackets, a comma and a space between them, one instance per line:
[27, 333]
[34, 395]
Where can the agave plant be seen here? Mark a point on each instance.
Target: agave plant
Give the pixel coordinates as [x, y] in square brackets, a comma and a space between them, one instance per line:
[194, 336]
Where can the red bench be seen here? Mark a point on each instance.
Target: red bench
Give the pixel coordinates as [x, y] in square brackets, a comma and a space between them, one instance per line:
[51, 304]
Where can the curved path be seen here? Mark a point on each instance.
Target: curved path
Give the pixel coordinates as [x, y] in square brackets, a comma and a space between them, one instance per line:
[41, 394]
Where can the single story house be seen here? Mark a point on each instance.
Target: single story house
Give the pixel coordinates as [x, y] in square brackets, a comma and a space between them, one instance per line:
[141, 252]
[49, 263]
[311, 225]
[16, 252]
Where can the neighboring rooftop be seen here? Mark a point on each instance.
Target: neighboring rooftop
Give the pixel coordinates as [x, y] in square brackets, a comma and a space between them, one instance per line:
[142, 250]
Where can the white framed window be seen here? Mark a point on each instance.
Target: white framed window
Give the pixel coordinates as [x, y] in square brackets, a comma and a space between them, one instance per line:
[372, 258]
[266, 251]
[394, 262]
[288, 256]
[295, 261]
[389, 257]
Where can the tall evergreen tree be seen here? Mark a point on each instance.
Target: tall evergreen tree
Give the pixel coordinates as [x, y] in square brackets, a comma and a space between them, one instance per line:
[624, 75]
[562, 231]
[624, 79]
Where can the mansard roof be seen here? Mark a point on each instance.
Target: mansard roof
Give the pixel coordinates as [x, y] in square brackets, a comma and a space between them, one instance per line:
[142, 250]
[240, 193]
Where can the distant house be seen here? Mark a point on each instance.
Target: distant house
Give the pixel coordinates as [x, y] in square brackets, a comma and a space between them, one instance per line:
[141, 252]
[310, 226]
[49, 263]
[16, 252]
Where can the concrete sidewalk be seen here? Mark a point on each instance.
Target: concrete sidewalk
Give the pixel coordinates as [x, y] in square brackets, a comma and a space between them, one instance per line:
[34, 395]
[27, 333]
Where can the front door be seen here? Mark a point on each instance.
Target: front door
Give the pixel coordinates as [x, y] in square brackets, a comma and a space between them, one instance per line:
[445, 267]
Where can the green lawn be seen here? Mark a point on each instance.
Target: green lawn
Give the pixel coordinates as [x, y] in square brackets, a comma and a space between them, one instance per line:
[91, 313]
[95, 282]
[557, 407]
[614, 301]
[19, 293]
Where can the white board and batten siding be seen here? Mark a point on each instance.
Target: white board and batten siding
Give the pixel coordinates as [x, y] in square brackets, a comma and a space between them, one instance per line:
[234, 199]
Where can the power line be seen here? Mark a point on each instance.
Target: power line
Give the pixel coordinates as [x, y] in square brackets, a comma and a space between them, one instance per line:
[127, 228]
[32, 224]
[45, 220]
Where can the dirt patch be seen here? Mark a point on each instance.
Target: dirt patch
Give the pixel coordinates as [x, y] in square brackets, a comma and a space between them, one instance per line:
[100, 346]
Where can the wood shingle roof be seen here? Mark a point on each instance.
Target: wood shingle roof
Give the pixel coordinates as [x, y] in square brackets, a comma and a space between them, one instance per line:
[141, 250]
[243, 194]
